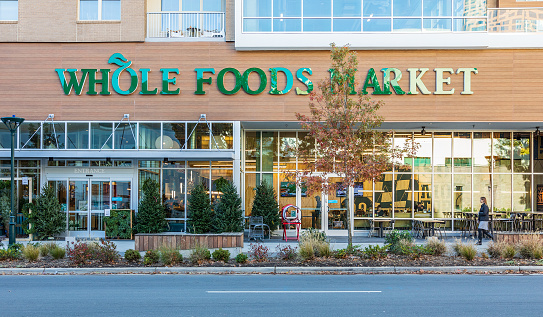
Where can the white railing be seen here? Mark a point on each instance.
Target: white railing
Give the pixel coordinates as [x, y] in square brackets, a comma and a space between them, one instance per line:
[515, 20]
[185, 24]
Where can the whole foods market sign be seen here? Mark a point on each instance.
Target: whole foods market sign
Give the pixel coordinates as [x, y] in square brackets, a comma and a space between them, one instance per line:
[74, 80]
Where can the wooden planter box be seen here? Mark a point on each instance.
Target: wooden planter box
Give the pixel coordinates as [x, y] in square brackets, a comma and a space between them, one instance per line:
[513, 237]
[187, 241]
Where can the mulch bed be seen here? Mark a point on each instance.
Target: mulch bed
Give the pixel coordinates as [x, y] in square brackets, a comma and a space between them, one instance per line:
[352, 261]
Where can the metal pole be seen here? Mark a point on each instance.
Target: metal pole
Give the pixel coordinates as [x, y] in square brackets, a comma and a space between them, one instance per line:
[12, 216]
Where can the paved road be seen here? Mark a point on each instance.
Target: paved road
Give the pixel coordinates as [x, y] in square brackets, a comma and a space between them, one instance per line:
[272, 295]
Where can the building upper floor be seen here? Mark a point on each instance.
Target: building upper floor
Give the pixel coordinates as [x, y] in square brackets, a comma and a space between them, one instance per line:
[280, 24]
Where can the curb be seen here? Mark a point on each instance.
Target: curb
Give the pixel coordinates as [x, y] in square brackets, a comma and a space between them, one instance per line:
[276, 270]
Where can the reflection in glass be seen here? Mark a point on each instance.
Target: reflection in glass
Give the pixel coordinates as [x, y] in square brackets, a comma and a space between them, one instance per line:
[522, 189]
[501, 147]
[144, 174]
[437, 25]
[337, 206]
[462, 193]
[377, 8]
[9, 10]
[287, 8]
[256, 25]
[407, 25]
[423, 156]
[149, 135]
[442, 196]
[125, 136]
[347, 25]
[402, 141]
[462, 152]
[53, 135]
[200, 136]
[173, 135]
[101, 135]
[5, 137]
[521, 152]
[481, 152]
[78, 136]
[223, 134]
[120, 194]
[269, 152]
[111, 10]
[481, 188]
[363, 199]
[321, 8]
[173, 191]
[287, 150]
[442, 152]
[437, 8]
[100, 195]
[347, 8]
[402, 194]
[317, 25]
[29, 135]
[88, 10]
[257, 8]
[377, 25]
[252, 151]
[287, 25]
[411, 8]
[502, 192]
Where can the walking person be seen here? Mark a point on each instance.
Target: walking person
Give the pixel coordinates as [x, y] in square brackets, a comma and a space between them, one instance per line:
[483, 221]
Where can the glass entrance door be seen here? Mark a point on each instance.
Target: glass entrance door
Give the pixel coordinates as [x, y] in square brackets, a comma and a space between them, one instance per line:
[78, 207]
[100, 201]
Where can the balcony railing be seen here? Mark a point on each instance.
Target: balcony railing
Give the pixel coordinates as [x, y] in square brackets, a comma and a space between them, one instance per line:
[185, 24]
[515, 20]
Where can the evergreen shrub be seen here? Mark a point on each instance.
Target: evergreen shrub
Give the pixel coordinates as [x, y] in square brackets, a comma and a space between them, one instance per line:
[265, 205]
[221, 255]
[45, 215]
[228, 214]
[199, 206]
[151, 216]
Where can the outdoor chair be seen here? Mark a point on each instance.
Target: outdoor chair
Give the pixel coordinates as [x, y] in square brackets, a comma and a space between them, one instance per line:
[257, 228]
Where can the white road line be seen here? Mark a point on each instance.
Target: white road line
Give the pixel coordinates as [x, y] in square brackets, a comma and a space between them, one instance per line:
[282, 292]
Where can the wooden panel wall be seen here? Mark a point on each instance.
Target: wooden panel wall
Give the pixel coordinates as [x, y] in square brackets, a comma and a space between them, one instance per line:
[144, 242]
[507, 87]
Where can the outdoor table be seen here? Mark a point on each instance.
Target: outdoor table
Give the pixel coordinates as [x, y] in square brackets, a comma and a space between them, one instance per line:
[432, 223]
[492, 220]
[380, 222]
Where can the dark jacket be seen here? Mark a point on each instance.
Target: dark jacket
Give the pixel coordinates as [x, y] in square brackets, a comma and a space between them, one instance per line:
[483, 213]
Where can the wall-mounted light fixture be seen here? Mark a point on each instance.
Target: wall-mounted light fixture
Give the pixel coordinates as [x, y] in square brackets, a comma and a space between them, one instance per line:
[423, 131]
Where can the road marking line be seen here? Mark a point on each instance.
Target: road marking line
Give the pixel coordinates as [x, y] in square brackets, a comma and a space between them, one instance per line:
[280, 292]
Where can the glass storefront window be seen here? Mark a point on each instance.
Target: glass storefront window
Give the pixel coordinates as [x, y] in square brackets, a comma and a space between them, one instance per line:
[5, 137]
[363, 199]
[288, 8]
[287, 150]
[124, 136]
[404, 8]
[173, 136]
[53, 135]
[219, 178]
[223, 133]
[403, 141]
[29, 135]
[269, 152]
[423, 157]
[437, 8]
[481, 188]
[522, 189]
[377, 8]
[77, 136]
[338, 201]
[257, 8]
[501, 146]
[521, 152]
[502, 192]
[149, 136]
[101, 137]
[173, 186]
[442, 152]
[120, 198]
[403, 198]
[462, 152]
[347, 8]
[442, 196]
[200, 136]
[250, 190]
[252, 150]
[482, 149]
[462, 193]
[322, 8]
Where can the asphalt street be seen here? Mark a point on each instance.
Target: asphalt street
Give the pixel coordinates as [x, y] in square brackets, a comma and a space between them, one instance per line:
[272, 295]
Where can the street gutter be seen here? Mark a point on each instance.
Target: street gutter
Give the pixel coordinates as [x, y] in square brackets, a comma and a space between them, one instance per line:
[279, 270]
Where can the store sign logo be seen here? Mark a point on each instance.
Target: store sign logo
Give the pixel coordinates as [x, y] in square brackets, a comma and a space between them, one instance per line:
[75, 80]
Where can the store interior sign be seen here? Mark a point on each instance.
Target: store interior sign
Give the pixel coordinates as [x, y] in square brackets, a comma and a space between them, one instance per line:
[75, 80]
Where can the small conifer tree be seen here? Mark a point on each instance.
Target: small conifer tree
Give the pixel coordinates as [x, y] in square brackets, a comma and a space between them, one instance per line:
[44, 215]
[200, 210]
[265, 205]
[151, 216]
[228, 213]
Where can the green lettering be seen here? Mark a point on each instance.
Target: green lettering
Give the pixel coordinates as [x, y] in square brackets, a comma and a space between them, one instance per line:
[166, 81]
[145, 83]
[245, 81]
[371, 81]
[339, 81]
[388, 83]
[200, 80]
[220, 81]
[73, 83]
[304, 80]
[273, 81]
[104, 81]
